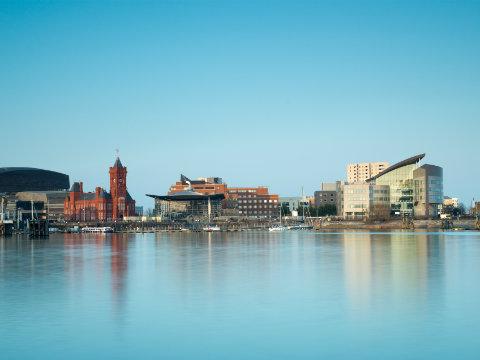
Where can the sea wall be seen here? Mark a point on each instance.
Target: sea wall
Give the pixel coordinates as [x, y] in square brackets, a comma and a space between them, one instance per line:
[467, 224]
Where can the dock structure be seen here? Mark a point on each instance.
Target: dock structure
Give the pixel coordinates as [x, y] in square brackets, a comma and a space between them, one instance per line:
[6, 228]
[38, 228]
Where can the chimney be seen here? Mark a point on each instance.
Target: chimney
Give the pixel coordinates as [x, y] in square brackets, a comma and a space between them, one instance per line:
[81, 186]
[98, 189]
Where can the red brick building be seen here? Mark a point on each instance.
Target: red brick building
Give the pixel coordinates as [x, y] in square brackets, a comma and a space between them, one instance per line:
[254, 201]
[101, 205]
[205, 186]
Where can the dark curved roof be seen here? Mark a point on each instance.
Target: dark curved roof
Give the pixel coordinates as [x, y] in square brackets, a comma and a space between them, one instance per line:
[410, 161]
[17, 179]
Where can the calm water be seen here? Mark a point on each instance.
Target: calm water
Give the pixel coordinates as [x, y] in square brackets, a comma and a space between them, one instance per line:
[249, 295]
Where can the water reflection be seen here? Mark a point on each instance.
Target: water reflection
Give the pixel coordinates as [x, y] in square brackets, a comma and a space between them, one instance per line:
[202, 294]
[382, 269]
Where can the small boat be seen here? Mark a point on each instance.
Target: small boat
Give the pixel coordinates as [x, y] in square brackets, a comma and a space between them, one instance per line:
[277, 228]
[301, 227]
[211, 228]
[280, 226]
[100, 229]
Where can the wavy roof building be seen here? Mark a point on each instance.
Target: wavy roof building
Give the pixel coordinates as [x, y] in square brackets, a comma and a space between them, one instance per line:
[17, 179]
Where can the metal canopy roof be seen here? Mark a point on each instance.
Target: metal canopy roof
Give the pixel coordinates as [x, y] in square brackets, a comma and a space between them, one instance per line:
[188, 196]
[410, 161]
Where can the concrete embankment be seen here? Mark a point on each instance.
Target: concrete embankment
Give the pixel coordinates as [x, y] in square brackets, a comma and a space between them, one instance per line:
[465, 224]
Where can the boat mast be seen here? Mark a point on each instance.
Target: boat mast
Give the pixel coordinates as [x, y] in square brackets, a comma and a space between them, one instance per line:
[1, 211]
[209, 210]
[280, 213]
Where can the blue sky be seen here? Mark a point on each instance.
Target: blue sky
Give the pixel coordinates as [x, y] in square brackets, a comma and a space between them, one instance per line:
[277, 93]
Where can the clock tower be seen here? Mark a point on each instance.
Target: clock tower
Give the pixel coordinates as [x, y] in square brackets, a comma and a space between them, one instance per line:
[118, 189]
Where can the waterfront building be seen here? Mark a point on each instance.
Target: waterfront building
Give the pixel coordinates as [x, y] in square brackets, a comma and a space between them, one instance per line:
[327, 195]
[238, 201]
[101, 205]
[366, 200]
[324, 197]
[51, 202]
[254, 201]
[23, 185]
[188, 205]
[18, 179]
[412, 188]
[428, 191]
[361, 172]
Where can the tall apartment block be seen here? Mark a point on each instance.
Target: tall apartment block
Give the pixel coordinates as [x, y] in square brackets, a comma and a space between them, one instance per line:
[361, 172]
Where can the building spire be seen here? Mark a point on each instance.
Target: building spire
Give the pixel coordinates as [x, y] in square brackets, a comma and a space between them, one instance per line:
[118, 163]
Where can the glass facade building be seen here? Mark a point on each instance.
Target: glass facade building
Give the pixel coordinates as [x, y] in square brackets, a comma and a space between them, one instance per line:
[402, 188]
[414, 191]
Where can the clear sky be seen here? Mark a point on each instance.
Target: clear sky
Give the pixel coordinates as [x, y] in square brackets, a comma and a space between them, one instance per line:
[277, 93]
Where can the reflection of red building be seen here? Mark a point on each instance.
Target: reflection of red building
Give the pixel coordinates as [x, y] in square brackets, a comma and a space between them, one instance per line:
[101, 205]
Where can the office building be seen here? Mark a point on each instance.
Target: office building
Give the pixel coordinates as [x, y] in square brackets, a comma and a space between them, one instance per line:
[428, 191]
[325, 198]
[254, 201]
[412, 188]
[366, 201]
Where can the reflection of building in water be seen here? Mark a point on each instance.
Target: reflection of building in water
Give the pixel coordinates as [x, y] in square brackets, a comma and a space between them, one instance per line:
[358, 267]
[415, 260]
[118, 264]
[403, 263]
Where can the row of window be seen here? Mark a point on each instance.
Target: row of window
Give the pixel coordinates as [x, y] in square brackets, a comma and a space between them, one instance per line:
[255, 207]
[242, 191]
[254, 212]
[257, 201]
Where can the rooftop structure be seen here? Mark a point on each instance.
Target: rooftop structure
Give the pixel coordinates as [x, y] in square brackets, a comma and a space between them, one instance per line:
[402, 164]
[207, 186]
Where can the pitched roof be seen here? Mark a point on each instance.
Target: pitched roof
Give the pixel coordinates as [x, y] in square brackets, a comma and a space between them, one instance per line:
[75, 187]
[118, 163]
